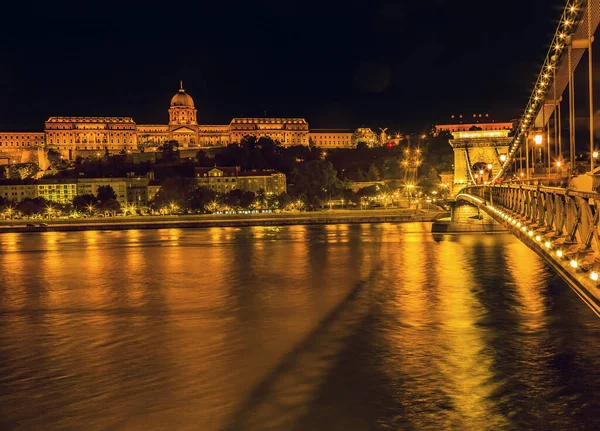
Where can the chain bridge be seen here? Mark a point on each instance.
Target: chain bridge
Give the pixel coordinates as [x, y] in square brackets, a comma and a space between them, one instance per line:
[535, 185]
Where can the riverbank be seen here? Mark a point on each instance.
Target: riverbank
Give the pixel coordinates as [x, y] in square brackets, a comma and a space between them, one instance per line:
[234, 220]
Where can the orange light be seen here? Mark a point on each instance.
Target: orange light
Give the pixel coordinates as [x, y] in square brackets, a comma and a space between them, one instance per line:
[538, 139]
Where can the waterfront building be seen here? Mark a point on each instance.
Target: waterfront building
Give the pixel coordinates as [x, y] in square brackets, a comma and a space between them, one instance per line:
[59, 191]
[16, 192]
[226, 179]
[128, 190]
[90, 186]
[94, 136]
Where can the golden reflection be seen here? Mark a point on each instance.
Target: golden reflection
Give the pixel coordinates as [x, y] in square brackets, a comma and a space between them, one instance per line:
[525, 269]
[13, 265]
[90, 237]
[462, 342]
[10, 242]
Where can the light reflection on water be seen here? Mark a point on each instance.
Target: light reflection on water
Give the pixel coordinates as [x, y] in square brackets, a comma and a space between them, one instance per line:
[326, 327]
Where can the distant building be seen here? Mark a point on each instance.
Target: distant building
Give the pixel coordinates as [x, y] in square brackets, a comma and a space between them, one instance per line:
[225, 179]
[367, 136]
[456, 125]
[332, 138]
[88, 136]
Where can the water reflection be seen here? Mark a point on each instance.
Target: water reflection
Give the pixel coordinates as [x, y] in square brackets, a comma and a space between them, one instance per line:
[324, 327]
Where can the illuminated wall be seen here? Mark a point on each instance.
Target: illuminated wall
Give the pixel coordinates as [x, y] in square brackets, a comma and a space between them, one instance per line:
[288, 131]
[73, 136]
[332, 138]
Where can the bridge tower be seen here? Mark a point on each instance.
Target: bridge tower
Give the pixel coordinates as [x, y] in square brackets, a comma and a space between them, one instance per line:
[478, 155]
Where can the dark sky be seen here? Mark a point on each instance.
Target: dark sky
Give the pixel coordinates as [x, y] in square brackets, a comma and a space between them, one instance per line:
[374, 63]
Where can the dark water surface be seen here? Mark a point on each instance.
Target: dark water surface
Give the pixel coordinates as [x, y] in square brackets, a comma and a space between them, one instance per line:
[346, 327]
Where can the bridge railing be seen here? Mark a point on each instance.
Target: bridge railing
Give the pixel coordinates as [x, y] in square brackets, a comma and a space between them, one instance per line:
[565, 220]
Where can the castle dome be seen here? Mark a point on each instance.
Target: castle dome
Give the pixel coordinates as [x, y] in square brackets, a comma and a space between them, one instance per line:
[182, 99]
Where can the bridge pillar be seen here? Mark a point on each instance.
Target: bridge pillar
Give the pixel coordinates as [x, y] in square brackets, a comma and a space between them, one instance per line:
[478, 155]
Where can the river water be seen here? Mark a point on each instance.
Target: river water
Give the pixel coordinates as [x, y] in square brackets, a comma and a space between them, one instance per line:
[341, 327]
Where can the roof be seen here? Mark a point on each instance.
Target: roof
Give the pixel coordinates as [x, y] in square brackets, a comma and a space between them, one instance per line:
[224, 169]
[258, 173]
[256, 120]
[90, 120]
[350, 131]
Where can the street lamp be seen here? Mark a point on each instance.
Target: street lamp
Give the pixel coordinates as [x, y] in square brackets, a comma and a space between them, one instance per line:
[538, 139]
[489, 166]
[502, 157]
[595, 154]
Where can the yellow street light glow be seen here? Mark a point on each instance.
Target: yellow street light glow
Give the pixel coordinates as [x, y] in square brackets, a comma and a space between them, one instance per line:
[559, 253]
[518, 224]
[481, 172]
[573, 263]
[524, 229]
[538, 139]
[558, 164]
[547, 244]
[502, 157]
[489, 166]
[538, 238]
[530, 233]
[595, 154]
[594, 275]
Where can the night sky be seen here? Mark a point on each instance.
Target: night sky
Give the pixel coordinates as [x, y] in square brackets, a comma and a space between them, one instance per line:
[373, 63]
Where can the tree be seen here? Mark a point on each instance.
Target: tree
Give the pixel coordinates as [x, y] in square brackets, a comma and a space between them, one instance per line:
[29, 206]
[107, 199]
[200, 198]
[57, 161]
[373, 174]
[283, 200]
[83, 202]
[261, 197]
[247, 199]
[104, 193]
[177, 191]
[232, 199]
[316, 180]
[169, 150]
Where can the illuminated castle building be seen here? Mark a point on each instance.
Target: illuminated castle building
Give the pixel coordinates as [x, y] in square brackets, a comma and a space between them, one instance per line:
[89, 136]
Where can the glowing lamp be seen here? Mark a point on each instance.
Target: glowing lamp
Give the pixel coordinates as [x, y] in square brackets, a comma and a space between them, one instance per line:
[595, 154]
[502, 157]
[489, 166]
[594, 275]
[538, 238]
[538, 139]
[573, 263]
[530, 233]
[558, 164]
[547, 244]
[559, 253]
